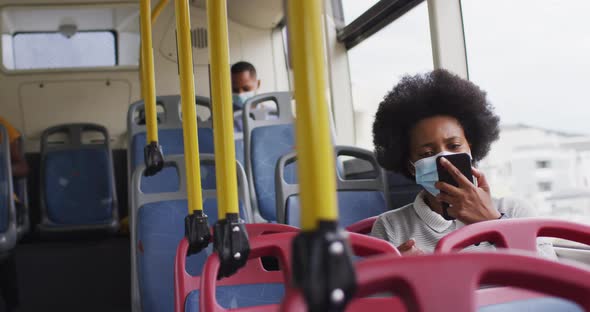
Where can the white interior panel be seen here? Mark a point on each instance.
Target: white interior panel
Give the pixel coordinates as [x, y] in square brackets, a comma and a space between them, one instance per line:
[49, 18]
[253, 13]
[52, 103]
[200, 56]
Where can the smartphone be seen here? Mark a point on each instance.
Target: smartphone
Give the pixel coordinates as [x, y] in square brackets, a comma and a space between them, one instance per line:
[460, 161]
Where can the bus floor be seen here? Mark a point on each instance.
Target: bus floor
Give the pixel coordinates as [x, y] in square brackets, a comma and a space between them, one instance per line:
[79, 275]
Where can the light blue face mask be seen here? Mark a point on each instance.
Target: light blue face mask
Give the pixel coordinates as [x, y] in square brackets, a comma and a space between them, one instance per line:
[239, 99]
[427, 174]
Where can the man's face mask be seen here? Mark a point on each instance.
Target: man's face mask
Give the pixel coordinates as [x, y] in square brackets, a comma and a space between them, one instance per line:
[427, 174]
[239, 99]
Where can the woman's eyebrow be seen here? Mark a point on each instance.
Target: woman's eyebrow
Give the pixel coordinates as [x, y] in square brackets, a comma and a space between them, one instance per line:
[453, 138]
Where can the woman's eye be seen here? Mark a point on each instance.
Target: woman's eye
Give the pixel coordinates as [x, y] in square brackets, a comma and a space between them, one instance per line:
[455, 146]
[426, 154]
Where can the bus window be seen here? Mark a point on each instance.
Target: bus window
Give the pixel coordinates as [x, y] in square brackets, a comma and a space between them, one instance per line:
[55, 50]
[378, 63]
[531, 56]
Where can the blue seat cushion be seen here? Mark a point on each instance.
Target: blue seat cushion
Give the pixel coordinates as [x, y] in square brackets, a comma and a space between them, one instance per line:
[160, 229]
[547, 304]
[240, 296]
[78, 186]
[353, 206]
[267, 146]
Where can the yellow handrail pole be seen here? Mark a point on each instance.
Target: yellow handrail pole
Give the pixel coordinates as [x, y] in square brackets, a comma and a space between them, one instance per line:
[315, 152]
[158, 9]
[155, 14]
[147, 72]
[225, 153]
[189, 111]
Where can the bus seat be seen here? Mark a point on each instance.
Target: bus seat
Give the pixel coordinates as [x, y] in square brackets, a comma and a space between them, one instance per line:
[239, 145]
[157, 226]
[357, 199]
[422, 282]
[255, 289]
[170, 137]
[519, 234]
[186, 286]
[8, 231]
[363, 226]
[402, 191]
[22, 208]
[169, 129]
[265, 141]
[77, 179]
[252, 286]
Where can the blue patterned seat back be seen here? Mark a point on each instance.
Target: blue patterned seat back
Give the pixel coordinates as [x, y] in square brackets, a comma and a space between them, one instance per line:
[172, 143]
[162, 182]
[353, 206]
[160, 229]
[268, 144]
[240, 296]
[78, 186]
[4, 187]
[169, 139]
[402, 191]
[167, 180]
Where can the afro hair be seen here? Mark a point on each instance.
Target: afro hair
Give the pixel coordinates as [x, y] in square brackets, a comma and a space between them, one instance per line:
[437, 93]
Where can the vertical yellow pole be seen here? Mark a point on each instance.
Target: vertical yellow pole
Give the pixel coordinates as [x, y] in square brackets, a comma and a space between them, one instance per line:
[315, 152]
[148, 84]
[155, 13]
[225, 153]
[189, 112]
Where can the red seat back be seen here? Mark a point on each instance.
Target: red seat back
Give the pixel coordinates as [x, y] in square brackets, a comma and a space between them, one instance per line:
[362, 227]
[513, 233]
[279, 246]
[448, 282]
[185, 283]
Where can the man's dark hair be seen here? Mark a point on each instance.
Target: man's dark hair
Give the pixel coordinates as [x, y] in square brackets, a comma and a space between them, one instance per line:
[242, 66]
[437, 93]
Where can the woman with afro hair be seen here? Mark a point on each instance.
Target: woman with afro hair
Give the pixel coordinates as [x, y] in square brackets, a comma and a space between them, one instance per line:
[423, 117]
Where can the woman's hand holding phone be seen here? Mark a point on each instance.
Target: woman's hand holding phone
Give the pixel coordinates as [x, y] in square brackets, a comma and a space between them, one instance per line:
[468, 203]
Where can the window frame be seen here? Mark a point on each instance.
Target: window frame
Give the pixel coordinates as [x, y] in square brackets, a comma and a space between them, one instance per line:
[373, 20]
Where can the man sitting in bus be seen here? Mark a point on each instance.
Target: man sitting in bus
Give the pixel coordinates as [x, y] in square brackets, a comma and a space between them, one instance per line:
[245, 85]
[423, 117]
